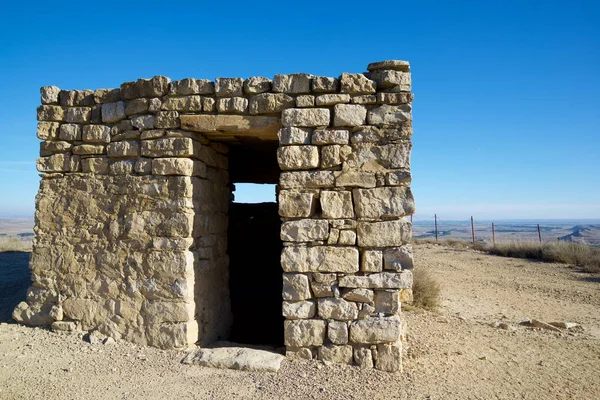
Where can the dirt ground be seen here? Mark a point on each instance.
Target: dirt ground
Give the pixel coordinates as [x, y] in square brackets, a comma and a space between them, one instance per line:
[455, 353]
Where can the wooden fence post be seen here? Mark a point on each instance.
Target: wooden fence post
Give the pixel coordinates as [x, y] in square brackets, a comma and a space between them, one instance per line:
[539, 233]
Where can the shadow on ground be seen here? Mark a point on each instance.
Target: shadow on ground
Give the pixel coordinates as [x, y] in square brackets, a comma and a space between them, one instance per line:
[14, 281]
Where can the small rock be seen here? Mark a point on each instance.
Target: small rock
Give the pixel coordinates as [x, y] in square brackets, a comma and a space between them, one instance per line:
[564, 325]
[109, 341]
[540, 324]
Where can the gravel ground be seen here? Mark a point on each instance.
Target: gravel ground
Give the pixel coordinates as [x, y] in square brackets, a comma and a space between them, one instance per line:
[455, 353]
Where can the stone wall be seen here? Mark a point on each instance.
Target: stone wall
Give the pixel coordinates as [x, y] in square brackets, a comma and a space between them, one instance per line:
[131, 219]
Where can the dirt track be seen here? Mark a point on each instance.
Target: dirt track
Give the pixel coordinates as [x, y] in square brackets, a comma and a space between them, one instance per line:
[455, 353]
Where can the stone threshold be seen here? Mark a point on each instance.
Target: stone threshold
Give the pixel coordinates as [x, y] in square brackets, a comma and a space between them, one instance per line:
[229, 355]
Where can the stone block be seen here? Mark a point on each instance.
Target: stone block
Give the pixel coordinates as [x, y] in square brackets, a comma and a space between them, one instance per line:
[389, 357]
[70, 132]
[371, 261]
[355, 179]
[322, 289]
[389, 78]
[168, 147]
[143, 166]
[143, 122]
[331, 156]
[336, 204]
[298, 157]
[89, 149]
[363, 358]
[360, 294]
[375, 330]
[384, 233]
[304, 353]
[296, 287]
[406, 295]
[384, 202]
[54, 163]
[337, 332]
[167, 119]
[382, 280]
[396, 178]
[387, 301]
[173, 166]
[298, 309]
[96, 134]
[78, 115]
[296, 204]
[50, 113]
[397, 65]
[386, 115]
[334, 236]
[291, 83]
[320, 259]
[102, 96]
[364, 99]
[123, 149]
[394, 98]
[154, 105]
[330, 136]
[337, 309]
[349, 115]
[336, 354]
[157, 86]
[305, 117]
[52, 147]
[398, 258]
[208, 104]
[239, 124]
[303, 333]
[347, 238]
[228, 87]
[136, 106]
[270, 103]
[372, 158]
[95, 165]
[356, 84]
[48, 130]
[235, 105]
[191, 103]
[113, 112]
[332, 99]
[305, 101]
[304, 230]
[256, 85]
[121, 167]
[49, 94]
[293, 135]
[191, 86]
[324, 84]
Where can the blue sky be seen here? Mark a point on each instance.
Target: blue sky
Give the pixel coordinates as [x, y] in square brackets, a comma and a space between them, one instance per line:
[506, 111]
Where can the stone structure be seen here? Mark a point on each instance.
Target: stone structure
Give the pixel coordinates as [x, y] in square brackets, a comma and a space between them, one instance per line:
[132, 212]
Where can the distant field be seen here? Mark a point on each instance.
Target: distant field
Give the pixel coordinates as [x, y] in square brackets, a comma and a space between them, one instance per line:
[12, 229]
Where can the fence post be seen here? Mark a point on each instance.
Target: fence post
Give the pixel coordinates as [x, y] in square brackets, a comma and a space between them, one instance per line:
[473, 230]
[539, 233]
[493, 235]
[436, 233]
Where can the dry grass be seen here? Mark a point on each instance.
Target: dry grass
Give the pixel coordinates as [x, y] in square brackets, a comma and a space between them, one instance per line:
[426, 289]
[11, 244]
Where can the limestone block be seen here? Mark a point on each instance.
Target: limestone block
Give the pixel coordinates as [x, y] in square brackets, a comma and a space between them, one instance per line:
[304, 353]
[359, 294]
[182, 103]
[395, 178]
[53, 163]
[173, 166]
[239, 124]
[89, 149]
[172, 335]
[387, 301]
[228, 87]
[324, 84]
[397, 65]
[293, 135]
[191, 86]
[298, 309]
[208, 104]
[338, 309]
[167, 119]
[303, 333]
[48, 130]
[121, 167]
[306, 179]
[386, 114]
[270, 103]
[49, 94]
[382, 280]
[334, 236]
[355, 179]
[136, 106]
[305, 117]
[152, 134]
[322, 289]
[102, 96]
[64, 326]
[330, 156]
[380, 157]
[96, 134]
[113, 112]
[291, 83]
[123, 149]
[95, 165]
[375, 330]
[70, 132]
[296, 204]
[305, 101]
[157, 86]
[298, 157]
[389, 78]
[349, 115]
[35, 315]
[50, 113]
[337, 332]
[406, 295]
[154, 105]
[398, 258]
[295, 287]
[356, 84]
[336, 354]
[168, 147]
[320, 259]
[384, 202]
[336, 204]
[52, 147]
[78, 114]
[394, 98]
[364, 99]
[384, 233]
[363, 358]
[236, 105]
[332, 99]
[371, 261]
[389, 357]
[87, 311]
[304, 230]
[143, 122]
[330, 136]
[347, 238]
[256, 85]
[143, 166]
